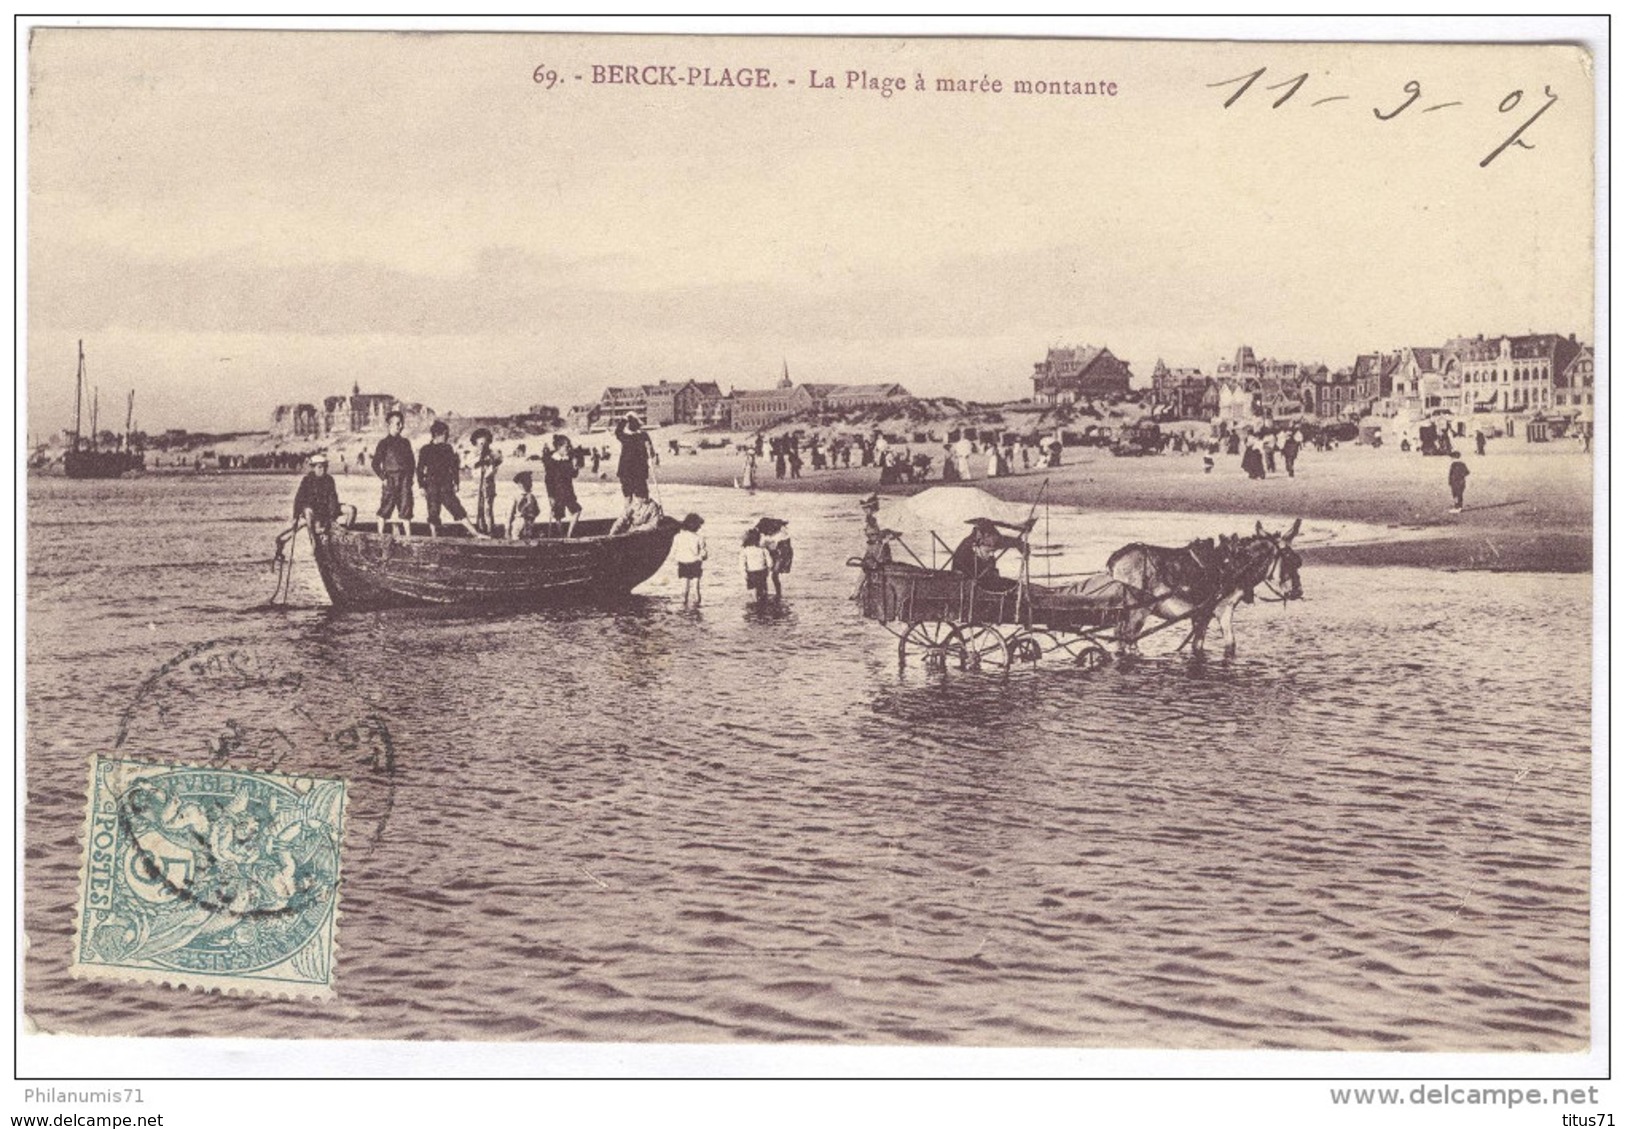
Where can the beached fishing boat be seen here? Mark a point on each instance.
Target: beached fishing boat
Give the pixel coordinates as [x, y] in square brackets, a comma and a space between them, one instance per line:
[363, 568]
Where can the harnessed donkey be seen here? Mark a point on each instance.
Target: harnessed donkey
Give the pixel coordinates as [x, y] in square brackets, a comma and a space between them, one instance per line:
[1205, 581]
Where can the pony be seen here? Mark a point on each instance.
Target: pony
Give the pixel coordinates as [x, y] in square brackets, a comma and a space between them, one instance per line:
[1205, 580]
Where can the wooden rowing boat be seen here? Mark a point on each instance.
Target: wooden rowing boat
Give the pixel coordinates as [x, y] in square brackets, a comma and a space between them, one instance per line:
[363, 568]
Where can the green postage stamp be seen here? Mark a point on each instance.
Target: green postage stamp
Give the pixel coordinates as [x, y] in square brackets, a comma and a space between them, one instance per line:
[213, 878]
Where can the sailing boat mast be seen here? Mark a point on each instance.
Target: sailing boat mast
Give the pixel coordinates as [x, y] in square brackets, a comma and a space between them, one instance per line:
[129, 420]
[78, 393]
[95, 406]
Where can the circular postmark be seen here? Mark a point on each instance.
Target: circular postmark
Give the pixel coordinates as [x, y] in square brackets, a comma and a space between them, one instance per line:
[243, 784]
[234, 704]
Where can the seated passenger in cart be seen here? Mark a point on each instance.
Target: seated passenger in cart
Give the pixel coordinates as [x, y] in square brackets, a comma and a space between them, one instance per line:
[977, 556]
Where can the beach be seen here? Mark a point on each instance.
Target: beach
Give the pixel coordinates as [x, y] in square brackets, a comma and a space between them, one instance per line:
[1528, 506]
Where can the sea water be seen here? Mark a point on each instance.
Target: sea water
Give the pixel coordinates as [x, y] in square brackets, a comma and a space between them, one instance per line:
[1368, 831]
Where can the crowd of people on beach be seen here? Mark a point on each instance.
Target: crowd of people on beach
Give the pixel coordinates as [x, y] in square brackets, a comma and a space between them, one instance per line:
[965, 456]
[1265, 452]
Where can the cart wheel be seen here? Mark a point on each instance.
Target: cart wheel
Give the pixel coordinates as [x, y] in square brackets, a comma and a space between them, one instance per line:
[1092, 656]
[928, 641]
[1026, 648]
[979, 647]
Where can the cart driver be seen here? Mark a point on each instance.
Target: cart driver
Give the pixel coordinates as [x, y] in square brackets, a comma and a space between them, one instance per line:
[877, 541]
[977, 556]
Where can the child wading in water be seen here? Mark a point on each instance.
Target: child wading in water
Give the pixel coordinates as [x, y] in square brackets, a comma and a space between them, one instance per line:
[689, 548]
[756, 563]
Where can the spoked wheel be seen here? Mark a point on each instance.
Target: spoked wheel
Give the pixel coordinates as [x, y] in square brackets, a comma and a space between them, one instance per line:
[929, 643]
[1026, 648]
[1092, 656]
[981, 648]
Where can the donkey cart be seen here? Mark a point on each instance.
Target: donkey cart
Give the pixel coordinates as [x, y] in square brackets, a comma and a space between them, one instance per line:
[944, 620]
[967, 616]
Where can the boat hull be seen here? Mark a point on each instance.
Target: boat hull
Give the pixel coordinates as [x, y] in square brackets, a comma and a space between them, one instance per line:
[101, 464]
[364, 569]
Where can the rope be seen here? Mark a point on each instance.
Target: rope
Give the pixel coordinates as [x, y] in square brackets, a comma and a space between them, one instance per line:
[282, 562]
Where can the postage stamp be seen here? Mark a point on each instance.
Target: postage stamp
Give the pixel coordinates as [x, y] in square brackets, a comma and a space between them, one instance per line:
[210, 877]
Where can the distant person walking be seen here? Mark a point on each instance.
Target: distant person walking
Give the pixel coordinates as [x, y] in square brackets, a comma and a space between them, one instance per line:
[963, 448]
[1289, 453]
[394, 463]
[1479, 440]
[1252, 460]
[1458, 481]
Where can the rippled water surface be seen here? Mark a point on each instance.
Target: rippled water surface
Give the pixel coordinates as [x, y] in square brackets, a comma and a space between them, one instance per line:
[1370, 831]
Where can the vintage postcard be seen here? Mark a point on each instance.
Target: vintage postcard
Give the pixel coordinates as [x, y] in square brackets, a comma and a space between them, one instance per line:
[1060, 544]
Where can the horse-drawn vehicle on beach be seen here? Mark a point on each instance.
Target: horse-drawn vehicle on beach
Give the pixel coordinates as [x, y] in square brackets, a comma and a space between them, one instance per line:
[967, 616]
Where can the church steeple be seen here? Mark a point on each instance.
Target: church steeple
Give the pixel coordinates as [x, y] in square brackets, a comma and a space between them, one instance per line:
[784, 381]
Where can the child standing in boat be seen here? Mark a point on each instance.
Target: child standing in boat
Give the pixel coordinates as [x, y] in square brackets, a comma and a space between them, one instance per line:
[559, 473]
[393, 462]
[439, 469]
[689, 549]
[526, 510]
[486, 464]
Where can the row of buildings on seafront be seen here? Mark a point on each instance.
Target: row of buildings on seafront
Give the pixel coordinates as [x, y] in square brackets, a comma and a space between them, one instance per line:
[700, 403]
[1545, 375]
[1538, 374]
[703, 403]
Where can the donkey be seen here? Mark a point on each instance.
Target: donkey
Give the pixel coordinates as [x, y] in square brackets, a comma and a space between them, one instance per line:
[1205, 580]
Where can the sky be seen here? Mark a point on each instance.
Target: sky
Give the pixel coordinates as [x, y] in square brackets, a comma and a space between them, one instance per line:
[233, 220]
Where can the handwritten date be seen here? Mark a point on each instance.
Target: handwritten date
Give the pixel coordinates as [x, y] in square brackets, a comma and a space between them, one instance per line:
[1412, 92]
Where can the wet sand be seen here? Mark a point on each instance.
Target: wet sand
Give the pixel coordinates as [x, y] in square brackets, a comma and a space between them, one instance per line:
[1529, 507]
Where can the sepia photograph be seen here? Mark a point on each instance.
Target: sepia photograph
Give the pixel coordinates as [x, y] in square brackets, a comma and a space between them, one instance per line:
[668, 554]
